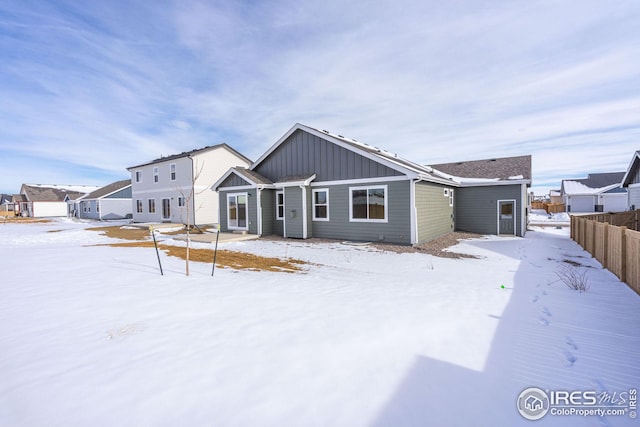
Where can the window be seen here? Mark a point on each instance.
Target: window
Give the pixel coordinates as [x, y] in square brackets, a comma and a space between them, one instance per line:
[279, 204]
[451, 197]
[88, 206]
[321, 204]
[172, 172]
[506, 211]
[138, 176]
[152, 205]
[155, 174]
[368, 204]
[181, 202]
[139, 206]
[84, 206]
[97, 205]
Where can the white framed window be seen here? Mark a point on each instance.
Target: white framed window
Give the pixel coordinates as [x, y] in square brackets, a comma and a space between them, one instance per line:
[84, 206]
[237, 211]
[369, 204]
[280, 205]
[321, 204]
[172, 172]
[152, 205]
[181, 202]
[138, 176]
[88, 206]
[451, 197]
[139, 206]
[97, 205]
[156, 174]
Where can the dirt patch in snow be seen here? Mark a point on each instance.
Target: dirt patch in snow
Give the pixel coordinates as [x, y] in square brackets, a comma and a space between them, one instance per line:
[24, 220]
[436, 247]
[224, 258]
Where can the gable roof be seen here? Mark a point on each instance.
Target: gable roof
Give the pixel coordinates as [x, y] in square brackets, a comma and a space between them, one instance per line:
[108, 189]
[391, 160]
[192, 153]
[502, 168]
[252, 177]
[53, 192]
[595, 183]
[633, 166]
[5, 198]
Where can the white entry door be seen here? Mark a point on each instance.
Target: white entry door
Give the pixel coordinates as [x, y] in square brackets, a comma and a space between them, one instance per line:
[237, 211]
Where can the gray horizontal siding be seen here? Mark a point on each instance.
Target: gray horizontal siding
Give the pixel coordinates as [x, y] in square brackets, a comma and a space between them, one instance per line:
[267, 201]
[634, 197]
[434, 215]
[306, 154]
[396, 230]
[476, 208]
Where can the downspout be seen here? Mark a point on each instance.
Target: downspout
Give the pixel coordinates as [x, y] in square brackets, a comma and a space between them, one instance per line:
[303, 187]
[193, 189]
[414, 211]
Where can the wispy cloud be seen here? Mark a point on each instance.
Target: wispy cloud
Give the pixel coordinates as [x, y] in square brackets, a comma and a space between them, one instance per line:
[101, 86]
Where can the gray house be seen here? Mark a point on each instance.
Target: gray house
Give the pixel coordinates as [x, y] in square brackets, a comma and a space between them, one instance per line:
[599, 192]
[313, 183]
[631, 181]
[492, 197]
[112, 201]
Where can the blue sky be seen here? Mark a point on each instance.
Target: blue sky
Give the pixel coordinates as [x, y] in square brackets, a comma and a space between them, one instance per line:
[89, 88]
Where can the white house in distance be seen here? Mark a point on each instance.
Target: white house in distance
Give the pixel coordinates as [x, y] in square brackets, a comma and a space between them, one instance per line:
[112, 201]
[161, 189]
[599, 192]
[49, 200]
[631, 182]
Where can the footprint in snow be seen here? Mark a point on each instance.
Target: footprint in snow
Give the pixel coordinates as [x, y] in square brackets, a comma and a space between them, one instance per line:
[571, 343]
[546, 312]
[534, 299]
[543, 321]
[570, 358]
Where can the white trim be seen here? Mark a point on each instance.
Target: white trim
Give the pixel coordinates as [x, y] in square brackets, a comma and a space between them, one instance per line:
[413, 212]
[451, 198]
[246, 198]
[360, 181]
[367, 188]
[636, 156]
[515, 205]
[493, 183]
[302, 182]
[636, 185]
[135, 175]
[446, 192]
[259, 209]
[313, 204]
[303, 188]
[239, 175]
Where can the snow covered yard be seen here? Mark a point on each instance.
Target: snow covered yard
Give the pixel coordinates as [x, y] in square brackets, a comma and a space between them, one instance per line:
[93, 335]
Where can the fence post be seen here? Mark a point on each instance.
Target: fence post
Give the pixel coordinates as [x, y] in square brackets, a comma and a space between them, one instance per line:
[623, 254]
[605, 235]
[573, 235]
[593, 239]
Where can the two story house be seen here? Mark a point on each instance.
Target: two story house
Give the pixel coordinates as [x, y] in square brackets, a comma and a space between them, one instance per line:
[170, 188]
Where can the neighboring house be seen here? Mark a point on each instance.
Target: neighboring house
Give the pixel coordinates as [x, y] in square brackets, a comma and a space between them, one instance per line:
[163, 190]
[493, 196]
[312, 183]
[6, 202]
[631, 181]
[41, 200]
[599, 192]
[112, 201]
[555, 196]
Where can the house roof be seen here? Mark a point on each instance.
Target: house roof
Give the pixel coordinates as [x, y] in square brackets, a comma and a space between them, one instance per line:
[502, 168]
[5, 198]
[53, 192]
[379, 155]
[252, 177]
[108, 189]
[192, 153]
[633, 166]
[595, 183]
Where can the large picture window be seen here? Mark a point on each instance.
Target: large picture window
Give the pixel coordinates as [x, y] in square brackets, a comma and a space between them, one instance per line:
[368, 204]
[321, 204]
[279, 204]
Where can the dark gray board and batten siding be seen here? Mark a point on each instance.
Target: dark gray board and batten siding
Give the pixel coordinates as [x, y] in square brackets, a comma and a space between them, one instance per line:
[304, 154]
[476, 208]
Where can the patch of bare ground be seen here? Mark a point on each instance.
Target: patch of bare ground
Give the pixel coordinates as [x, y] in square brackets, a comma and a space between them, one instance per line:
[24, 220]
[224, 258]
[435, 247]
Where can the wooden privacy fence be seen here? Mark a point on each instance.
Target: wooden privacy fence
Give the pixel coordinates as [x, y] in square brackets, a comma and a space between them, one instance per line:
[616, 248]
[548, 207]
[627, 219]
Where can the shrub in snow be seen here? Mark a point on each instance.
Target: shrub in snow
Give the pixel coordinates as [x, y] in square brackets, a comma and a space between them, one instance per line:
[573, 277]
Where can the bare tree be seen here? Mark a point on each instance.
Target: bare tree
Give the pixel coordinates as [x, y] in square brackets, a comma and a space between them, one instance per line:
[189, 205]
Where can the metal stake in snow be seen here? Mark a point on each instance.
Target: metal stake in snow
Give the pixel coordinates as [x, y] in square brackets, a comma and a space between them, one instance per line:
[155, 243]
[215, 251]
